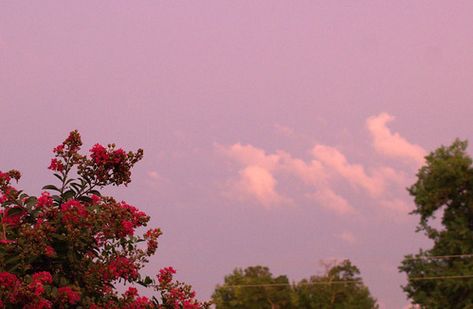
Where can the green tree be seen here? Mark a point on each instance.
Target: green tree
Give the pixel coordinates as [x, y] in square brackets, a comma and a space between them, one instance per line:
[340, 287]
[253, 288]
[444, 188]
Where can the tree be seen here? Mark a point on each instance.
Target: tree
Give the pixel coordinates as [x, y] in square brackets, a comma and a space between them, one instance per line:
[444, 188]
[253, 288]
[339, 287]
[70, 248]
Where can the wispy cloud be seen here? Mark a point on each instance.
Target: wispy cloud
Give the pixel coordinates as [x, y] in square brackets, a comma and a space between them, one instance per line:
[392, 144]
[284, 130]
[355, 174]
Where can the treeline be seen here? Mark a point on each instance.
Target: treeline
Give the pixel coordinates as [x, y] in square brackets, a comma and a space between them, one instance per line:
[256, 288]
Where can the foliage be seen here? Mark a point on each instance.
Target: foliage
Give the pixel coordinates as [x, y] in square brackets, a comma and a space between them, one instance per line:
[339, 287]
[70, 248]
[444, 188]
[255, 287]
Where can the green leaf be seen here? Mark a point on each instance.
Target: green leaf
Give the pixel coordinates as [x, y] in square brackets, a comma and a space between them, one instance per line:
[58, 236]
[76, 187]
[22, 196]
[69, 181]
[148, 280]
[58, 176]
[57, 199]
[85, 199]
[50, 187]
[14, 211]
[31, 201]
[14, 261]
[96, 192]
[68, 195]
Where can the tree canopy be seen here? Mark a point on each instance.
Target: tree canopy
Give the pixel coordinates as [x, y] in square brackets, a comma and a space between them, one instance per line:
[444, 189]
[340, 287]
[255, 287]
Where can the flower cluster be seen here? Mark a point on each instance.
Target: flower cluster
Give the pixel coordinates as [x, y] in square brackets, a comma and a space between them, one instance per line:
[69, 246]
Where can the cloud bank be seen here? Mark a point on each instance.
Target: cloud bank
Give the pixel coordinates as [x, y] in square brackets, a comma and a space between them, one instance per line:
[324, 172]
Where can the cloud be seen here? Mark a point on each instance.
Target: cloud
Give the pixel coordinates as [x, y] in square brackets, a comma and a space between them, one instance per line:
[154, 179]
[328, 199]
[392, 144]
[249, 155]
[154, 175]
[260, 171]
[258, 183]
[347, 237]
[311, 173]
[355, 174]
[284, 130]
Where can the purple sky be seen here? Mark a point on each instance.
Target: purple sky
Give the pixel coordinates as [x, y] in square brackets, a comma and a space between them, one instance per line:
[275, 133]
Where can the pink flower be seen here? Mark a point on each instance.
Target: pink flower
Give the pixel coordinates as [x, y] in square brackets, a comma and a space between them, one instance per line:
[59, 149]
[44, 200]
[71, 296]
[49, 251]
[95, 199]
[43, 277]
[99, 154]
[73, 211]
[6, 241]
[122, 267]
[165, 275]
[131, 292]
[56, 165]
[127, 227]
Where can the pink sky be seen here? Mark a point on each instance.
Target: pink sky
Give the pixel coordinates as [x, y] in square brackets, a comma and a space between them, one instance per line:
[275, 133]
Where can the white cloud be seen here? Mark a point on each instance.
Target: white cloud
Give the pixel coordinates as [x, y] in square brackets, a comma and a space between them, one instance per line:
[155, 180]
[259, 173]
[392, 144]
[328, 199]
[347, 237]
[284, 130]
[355, 174]
[250, 155]
[257, 182]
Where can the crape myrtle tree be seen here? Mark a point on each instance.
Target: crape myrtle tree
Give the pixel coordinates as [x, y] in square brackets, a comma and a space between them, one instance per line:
[444, 189]
[71, 246]
[255, 287]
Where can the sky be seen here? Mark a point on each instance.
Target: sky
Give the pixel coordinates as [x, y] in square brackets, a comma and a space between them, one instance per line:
[277, 133]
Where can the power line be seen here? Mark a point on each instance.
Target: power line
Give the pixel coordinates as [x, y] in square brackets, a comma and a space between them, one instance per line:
[289, 284]
[439, 257]
[439, 277]
[429, 278]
